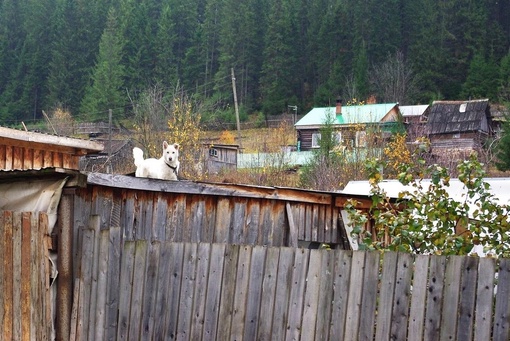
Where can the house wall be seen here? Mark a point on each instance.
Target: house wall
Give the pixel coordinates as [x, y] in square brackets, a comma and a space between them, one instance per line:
[26, 158]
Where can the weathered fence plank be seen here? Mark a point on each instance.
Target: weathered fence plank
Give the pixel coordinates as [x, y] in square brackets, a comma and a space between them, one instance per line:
[311, 297]
[267, 303]
[187, 290]
[325, 296]
[355, 295]
[502, 310]
[484, 299]
[114, 271]
[341, 281]
[297, 294]
[368, 306]
[199, 299]
[213, 292]
[400, 312]
[253, 301]
[125, 289]
[102, 285]
[241, 292]
[389, 270]
[137, 291]
[450, 301]
[283, 285]
[223, 221]
[150, 291]
[434, 297]
[8, 281]
[227, 291]
[16, 276]
[175, 272]
[418, 298]
[469, 274]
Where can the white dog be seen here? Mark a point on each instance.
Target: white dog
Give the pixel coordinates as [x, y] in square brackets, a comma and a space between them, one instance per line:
[165, 168]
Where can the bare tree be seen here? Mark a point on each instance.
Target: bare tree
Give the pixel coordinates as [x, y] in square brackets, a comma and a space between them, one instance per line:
[394, 80]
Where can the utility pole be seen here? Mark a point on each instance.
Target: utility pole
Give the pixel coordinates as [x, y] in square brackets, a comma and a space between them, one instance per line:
[236, 109]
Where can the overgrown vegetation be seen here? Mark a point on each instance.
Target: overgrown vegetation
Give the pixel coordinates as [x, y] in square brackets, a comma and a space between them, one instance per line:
[426, 219]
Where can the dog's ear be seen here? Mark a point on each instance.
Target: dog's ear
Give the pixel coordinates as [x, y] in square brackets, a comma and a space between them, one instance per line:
[176, 145]
[165, 145]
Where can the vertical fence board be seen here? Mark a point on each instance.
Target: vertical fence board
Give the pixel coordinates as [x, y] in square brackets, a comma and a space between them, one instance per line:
[213, 292]
[434, 297]
[88, 236]
[114, 270]
[150, 291]
[137, 290]
[223, 221]
[94, 260]
[175, 269]
[199, 300]
[241, 292]
[102, 285]
[389, 270]
[253, 223]
[283, 283]
[450, 299]
[484, 299]
[148, 232]
[279, 223]
[502, 309]
[401, 298]
[341, 281]
[125, 290]
[163, 291]
[267, 225]
[297, 294]
[26, 297]
[354, 296]
[159, 221]
[16, 276]
[267, 303]
[253, 301]
[187, 291]
[466, 312]
[227, 291]
[238, 220]
[369, 300]
[8, 268]
[418, 297]
[325, 296]
[4, 270]
[308, 325]
[197, 209]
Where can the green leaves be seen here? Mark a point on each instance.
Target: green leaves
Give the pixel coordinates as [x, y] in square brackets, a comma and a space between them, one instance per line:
[426, 219]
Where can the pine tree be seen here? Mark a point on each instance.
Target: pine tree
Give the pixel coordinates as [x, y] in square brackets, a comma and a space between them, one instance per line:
[106, 90]
[503, 148]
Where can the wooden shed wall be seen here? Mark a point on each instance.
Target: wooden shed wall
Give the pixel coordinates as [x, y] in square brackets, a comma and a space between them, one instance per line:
[193, 212]
[26, 158]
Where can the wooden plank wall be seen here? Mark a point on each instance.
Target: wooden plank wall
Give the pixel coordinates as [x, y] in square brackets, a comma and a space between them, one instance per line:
[25, 158]
[181, 217]
[25, 306]
[202, 291]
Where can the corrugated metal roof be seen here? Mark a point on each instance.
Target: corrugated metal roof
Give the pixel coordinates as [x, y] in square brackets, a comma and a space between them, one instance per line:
[413, 110]
[369, 113]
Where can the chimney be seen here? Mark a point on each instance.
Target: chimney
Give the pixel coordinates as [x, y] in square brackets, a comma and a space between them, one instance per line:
[338, 110]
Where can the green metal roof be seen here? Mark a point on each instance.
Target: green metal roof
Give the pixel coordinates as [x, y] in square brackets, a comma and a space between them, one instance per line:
[368, 113]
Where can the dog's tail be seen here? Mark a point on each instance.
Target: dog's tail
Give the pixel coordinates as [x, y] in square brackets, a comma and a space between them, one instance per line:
[138, 156]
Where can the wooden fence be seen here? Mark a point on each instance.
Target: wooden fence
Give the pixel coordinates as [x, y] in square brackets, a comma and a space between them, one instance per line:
[25, 309]
[162, 290]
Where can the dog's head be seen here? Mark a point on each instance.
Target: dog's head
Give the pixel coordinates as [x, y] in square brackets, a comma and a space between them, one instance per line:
[170, 151]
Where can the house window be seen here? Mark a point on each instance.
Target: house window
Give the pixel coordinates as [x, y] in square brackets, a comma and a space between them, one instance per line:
[316, 137]
[361, 139]
[213, 152]
[462, 107]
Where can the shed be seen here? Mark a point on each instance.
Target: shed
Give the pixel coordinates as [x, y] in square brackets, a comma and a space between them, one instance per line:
[220, 156]
[459, 125]
[348, 122]
[415, 119]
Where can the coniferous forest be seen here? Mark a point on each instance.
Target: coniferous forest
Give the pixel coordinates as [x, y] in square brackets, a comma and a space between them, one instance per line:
[88, 56]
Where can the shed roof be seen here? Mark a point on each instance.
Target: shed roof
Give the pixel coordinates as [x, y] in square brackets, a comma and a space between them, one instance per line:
[413, 110]
[23, 138]
[458, 116]
[368, 113]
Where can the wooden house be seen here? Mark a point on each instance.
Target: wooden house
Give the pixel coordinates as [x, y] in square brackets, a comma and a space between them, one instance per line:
[458, 125]
[351, 123]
